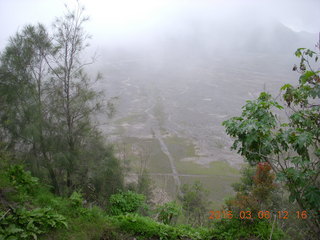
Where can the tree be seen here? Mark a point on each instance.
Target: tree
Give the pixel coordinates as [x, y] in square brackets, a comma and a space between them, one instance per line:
[256, 203]
[257, 191]
[48, 106]
[72, 100]
[22, 85]
[290, 147]
[195, 203]
[144, 185]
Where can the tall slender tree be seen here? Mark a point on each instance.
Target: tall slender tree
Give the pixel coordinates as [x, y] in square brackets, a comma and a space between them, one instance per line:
[73, 102]
[48, 105]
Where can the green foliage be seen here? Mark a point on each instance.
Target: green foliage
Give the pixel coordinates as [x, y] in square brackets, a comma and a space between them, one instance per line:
[256, 191]
[47, 104]
[76, 199]
[126, 202]
[146, 228]
[253, 130]
[291, 148]
[21, 179]
[76, 202]
[168, 212]
[82, 226]
[43, 215]
[28, 224]
[195, 203]
[24, 221]
[144, 185]
[108, 176]
[230, 229]
[246, 180]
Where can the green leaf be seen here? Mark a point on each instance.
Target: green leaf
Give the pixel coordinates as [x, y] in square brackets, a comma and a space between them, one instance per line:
[284, 87]
[13, 229]
[312, 195]
[298, 53]
[306, 76]
[292, 198]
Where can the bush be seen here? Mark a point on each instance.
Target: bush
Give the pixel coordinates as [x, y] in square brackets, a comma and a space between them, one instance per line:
[126, 202]
[168, 211]
[25, 224]
[230, 229]
[145, 227]
[22, 180]
[76, 202]
[76, 199]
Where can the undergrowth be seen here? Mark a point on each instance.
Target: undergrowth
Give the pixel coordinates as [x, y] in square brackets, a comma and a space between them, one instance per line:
[28, 210]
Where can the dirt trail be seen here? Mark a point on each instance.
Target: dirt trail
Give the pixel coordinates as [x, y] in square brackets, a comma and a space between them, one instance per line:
[164, 148]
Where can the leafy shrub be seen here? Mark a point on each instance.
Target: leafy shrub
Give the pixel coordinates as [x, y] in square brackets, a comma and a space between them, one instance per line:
[21, 179]
[24, 224]
[168, 211]
[145, 227]
[76, 202]
[76, 199]
[256, 190]
[126, 202]
[230, 229]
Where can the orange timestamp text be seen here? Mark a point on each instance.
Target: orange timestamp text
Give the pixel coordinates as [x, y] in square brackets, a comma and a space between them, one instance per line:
[221, 214]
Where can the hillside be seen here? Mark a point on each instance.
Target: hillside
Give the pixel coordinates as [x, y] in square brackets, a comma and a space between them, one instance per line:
[181, 87]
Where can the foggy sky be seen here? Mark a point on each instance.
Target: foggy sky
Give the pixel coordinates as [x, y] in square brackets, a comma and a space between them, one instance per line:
[124, 21]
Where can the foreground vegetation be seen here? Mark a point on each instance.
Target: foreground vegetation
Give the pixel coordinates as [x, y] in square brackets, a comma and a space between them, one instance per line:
[290, 147]
[30, 211]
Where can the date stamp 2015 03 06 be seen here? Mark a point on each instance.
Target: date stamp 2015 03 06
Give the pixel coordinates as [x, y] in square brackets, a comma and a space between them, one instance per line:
[257, 215]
